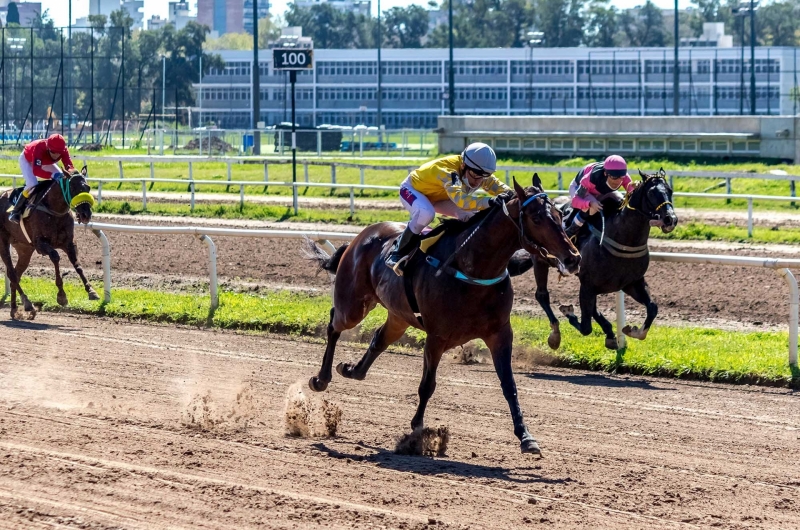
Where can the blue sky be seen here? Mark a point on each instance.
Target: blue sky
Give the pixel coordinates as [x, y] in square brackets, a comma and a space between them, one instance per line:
[59, 10]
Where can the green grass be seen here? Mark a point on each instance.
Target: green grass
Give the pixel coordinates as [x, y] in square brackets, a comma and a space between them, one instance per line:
[685, 352]
[703, 232]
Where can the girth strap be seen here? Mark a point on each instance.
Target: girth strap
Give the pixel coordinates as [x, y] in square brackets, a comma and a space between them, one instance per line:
[436, 264]
[617, 249]
[408, 285]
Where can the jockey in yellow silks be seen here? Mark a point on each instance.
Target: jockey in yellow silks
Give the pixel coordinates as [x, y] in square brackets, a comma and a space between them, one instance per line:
[445, 186]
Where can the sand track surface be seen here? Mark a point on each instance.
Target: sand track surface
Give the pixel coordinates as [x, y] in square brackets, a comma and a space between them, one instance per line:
[107, 424]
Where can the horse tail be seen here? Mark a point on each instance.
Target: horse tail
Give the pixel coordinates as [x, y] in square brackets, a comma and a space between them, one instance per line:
[313, 252]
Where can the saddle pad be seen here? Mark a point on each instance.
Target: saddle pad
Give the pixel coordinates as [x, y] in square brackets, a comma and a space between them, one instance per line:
[426, 244]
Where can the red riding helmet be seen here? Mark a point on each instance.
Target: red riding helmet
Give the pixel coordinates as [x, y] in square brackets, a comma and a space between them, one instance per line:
[57, 144]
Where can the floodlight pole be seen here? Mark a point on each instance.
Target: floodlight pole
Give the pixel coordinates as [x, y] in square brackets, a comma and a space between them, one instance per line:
[451, 87]
[753, 58]
[256, 95]
[676, 75]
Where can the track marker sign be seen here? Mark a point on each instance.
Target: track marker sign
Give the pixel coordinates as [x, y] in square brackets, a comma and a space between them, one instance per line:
[292, 58]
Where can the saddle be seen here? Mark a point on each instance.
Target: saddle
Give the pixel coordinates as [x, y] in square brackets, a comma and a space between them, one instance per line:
[36, 193]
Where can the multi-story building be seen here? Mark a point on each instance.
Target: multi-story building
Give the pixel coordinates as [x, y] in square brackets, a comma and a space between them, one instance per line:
[358, 7]
[156, 22]
[106, 7]
[342, 88]
[263, 12]
[178, 14]
[221, 16]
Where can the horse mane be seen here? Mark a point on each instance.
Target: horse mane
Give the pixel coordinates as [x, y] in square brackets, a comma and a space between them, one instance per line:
[455, 227]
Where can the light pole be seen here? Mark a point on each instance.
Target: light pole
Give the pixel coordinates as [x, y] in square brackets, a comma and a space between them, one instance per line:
[533, 38]
[753, 4]
[676, 73]
[451, 87]
[256, 94]
[380, 76]
[745, 8]
[163, 85]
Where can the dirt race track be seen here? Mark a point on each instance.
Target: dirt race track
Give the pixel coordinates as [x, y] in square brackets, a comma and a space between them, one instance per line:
[99, 428]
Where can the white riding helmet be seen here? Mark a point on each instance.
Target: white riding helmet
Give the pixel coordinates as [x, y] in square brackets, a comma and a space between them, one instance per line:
[480, 157]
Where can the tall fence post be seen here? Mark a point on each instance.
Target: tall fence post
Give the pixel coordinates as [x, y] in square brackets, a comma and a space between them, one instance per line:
[560, 181]
[305, 169]
[100, 192]
[144, 195]
[361, 171]
[241, 196]
[106, 257]
[794, 318]
[212, 274]
[750, 217]
[319, 143]
[728, 189]
[333, 173]
[191, 172]
[508, 173]
[191, 196]
[792, 191]
[266, 175]
[621, 339]
[352, 202]
[228, 187]
[153, 173]
[121, 173]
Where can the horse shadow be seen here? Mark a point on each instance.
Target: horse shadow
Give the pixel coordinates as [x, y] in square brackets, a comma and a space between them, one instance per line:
[600, 380]
[423, 465]
[34, 326]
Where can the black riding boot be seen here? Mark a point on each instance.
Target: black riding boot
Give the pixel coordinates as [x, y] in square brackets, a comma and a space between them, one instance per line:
[19, 207]
[403, 247]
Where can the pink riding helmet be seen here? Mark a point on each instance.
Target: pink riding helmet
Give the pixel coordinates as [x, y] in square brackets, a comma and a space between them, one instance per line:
[615, 166]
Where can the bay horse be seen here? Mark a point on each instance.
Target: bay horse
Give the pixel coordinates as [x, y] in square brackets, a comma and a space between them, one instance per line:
[48, 228]
[618, 264]
[461, 289]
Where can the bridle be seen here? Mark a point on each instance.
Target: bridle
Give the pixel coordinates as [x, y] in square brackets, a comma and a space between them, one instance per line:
[626, 203]
[524, 240]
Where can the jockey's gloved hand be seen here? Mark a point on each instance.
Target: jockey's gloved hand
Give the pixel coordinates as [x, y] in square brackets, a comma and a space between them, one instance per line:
[501, 198]
[57, 176]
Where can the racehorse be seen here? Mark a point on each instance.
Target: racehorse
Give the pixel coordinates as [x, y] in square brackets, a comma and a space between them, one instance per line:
[614, 257]
[458, 292]
[49, 226]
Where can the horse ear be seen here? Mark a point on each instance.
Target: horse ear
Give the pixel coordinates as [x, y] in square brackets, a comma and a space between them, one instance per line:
[518, 189]
[536, 181]
[84, 170]
[662, 173]
[642, 175]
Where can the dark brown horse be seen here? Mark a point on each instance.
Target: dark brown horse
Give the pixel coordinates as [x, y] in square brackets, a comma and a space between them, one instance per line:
[49, 227]
[471, 299]
[619, 263]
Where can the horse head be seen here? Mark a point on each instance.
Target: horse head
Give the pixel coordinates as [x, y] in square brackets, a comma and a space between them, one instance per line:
[653, 199]
[80, 198]
[540, 229]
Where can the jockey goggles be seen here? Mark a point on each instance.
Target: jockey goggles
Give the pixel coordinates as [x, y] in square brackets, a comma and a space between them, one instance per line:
[478, 172]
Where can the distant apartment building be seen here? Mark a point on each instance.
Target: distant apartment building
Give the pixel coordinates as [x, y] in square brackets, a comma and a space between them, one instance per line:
[358, 7]
[263, 12]
[178, 14]
[28, 11]
[229, 16]
[106, 7]
[156, 22]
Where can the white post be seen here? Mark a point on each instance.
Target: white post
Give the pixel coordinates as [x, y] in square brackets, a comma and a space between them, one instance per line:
[152, 171]
[121, 174]
[352, 202]
[750, 217]
[191, 192]
[794, 320]
[229, 177]
[266, 172]
[362, 175]
[333, 173]
[106, 264]
[508, 172]
[319, 143]
[191, 173]
[212, 273]
[144, 195]
[305, 169]
[361, 144]
[621, 340]
[560, 181]
[241, 196]
[100, 192]
[294, 197]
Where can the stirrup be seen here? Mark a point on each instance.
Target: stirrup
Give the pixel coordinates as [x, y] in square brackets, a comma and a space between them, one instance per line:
[399, 265]
[14, 217]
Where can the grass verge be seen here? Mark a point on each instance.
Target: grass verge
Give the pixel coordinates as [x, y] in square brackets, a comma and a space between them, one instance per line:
[684, 352]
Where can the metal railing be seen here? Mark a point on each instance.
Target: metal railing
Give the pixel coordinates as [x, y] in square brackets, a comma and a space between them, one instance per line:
[782, 266]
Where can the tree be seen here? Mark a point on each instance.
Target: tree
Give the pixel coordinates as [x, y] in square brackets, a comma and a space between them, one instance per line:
[330, 27]
[777, 24]
[644, 26]
[602, 23]
[405, 27]
[13, 14]
[502, 23]
[230, 41]
[560, 21]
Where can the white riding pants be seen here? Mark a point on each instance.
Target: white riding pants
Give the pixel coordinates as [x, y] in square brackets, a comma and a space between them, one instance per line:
[423, 211]
[27, 171]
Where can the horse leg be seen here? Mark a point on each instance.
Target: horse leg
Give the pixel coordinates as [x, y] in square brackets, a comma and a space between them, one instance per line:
[640, 292]
[387, 334]
[588, 302]
[13, 279]
[608, 329]
[46, 248]
[320, 382]
[72, 255]
[434, 348]
[541, 272]
[24, 254]
[500, 346]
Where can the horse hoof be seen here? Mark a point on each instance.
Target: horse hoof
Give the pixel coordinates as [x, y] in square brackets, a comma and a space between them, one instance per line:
[529, 446]
[93, 295]
[634, 332]
[317, 385]
[567, 310]
[611, 343]
[16, 314]
[62, 299]
[554, 340]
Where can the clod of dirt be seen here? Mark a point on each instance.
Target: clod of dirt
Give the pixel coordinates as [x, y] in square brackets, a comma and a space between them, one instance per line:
[471, 353]
[424, 442]
[207, 413]
[310, 417]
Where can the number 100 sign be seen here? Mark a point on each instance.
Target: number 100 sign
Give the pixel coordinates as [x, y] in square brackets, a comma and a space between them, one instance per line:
[292, 59]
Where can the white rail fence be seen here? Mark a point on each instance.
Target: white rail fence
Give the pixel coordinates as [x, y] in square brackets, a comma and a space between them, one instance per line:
[781, 266]
[242, 184]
